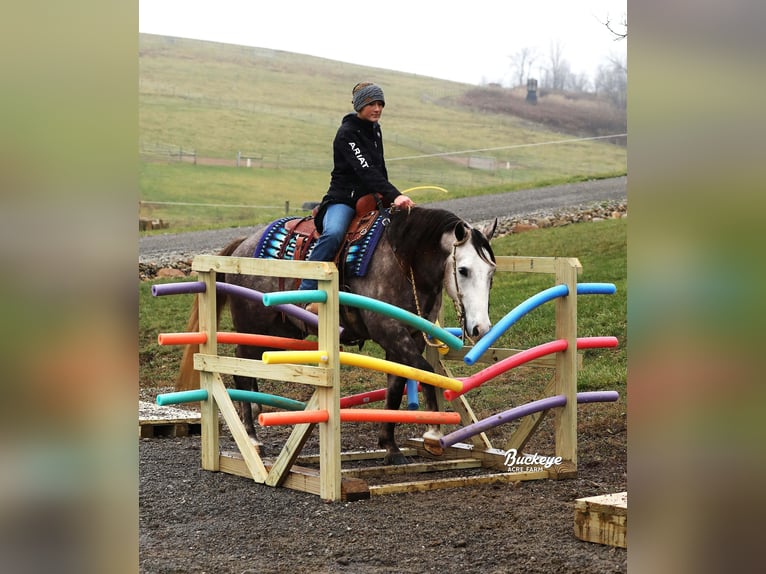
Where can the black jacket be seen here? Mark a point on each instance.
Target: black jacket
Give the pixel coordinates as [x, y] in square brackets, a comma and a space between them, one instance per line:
[359, 166]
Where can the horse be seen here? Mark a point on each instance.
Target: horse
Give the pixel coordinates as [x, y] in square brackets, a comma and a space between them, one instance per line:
[421, 252]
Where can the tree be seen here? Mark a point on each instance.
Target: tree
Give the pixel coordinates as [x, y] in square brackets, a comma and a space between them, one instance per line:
[521, 64]
[555, 76]
[612, 81]
[619, 29]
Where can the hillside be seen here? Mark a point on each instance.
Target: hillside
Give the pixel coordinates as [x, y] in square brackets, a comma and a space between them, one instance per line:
[203, 105]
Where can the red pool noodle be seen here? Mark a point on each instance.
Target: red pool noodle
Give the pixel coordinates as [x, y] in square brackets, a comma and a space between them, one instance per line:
[405, 417]
[525, 356]
[238, 339]
[181, 338]
[363, 398]
[359, 415]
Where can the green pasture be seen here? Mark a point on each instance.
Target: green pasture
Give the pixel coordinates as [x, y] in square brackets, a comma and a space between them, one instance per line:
[282, 110]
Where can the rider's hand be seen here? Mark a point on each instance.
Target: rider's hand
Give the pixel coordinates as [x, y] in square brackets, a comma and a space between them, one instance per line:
[403, 201]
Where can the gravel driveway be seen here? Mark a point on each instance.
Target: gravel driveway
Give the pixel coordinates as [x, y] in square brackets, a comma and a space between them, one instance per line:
[177, 246]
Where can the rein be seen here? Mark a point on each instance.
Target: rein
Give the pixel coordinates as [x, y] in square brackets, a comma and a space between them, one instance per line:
[459, 306]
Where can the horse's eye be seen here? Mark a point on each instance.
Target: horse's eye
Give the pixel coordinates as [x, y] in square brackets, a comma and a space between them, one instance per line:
[463, 271]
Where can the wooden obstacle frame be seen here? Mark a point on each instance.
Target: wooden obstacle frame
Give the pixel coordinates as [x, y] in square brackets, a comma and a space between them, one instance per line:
[330, 482]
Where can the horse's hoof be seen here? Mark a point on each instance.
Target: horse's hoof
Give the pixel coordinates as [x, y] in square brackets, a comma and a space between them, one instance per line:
[395, 458]
[433, 446]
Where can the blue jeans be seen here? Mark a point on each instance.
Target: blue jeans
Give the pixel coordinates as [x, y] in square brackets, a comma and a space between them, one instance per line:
[337, 218]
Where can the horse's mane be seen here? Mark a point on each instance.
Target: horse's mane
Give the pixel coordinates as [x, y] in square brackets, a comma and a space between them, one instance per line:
[418, 231]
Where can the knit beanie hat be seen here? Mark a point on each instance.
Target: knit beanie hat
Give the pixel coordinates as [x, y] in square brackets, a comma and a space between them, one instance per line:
[366, 93]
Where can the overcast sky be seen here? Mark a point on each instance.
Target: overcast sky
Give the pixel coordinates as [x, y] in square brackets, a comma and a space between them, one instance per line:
[468, 42]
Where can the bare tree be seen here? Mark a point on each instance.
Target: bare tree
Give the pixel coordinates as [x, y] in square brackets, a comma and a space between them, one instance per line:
[612, 81]
[578, 82]
[620, 29]
[521, 64]
[555, 76]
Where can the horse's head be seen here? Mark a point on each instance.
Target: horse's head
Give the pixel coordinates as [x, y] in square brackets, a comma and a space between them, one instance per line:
[468, 276]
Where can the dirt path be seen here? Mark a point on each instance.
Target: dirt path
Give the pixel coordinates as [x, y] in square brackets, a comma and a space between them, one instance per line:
[194, 521]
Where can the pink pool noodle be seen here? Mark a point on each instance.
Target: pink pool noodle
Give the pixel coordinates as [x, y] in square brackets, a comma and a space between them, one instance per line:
[478, 379]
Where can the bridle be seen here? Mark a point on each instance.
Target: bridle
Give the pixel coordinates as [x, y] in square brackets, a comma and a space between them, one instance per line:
[458, 302]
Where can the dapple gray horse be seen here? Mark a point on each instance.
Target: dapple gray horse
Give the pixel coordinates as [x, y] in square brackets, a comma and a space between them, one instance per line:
[421, 253]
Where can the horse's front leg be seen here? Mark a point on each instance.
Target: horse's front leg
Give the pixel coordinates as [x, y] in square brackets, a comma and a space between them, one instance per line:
[433, 433]
[386, 438]
[248, 412]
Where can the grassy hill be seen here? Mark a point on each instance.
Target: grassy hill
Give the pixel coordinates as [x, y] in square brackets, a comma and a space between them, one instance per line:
[281, 110]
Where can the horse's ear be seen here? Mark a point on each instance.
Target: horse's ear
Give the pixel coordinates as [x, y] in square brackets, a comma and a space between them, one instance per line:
[462, 232]
[489, 229]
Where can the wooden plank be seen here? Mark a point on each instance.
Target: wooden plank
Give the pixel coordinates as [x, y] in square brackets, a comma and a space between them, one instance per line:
[299, 478]
[602, 519]
[467, 417]
[208, 323]
[253, 460]
[490, 458]
[520, 264]
[152, 429]
[304, 374]
[350, 456]
[269, 267]
[459, 405]
[292, 448]
[529, 424]
[459, 482]
[565, 423]
[329, 396]
[411, 468]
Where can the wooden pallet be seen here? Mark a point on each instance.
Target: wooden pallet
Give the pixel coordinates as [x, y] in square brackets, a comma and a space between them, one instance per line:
[153, 428]
[602, 519]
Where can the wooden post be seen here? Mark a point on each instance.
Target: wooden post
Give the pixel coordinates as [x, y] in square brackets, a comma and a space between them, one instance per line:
[566, 362]
[329, 397]
[209, 408]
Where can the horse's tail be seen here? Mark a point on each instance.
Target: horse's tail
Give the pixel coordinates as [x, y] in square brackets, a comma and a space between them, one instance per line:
[188, 378]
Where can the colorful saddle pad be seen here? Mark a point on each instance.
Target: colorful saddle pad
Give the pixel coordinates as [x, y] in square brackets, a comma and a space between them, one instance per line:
[277, 242]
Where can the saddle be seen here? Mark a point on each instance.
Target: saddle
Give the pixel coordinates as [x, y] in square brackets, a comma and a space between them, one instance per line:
[305, 233]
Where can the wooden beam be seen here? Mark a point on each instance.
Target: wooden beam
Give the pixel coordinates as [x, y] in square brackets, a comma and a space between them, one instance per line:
[304, 374]
[530, 423]
[602, 519]
[298, 478]
[268, 267]
[443, 483]
[415, 467]
[250, 454]
[292, 448]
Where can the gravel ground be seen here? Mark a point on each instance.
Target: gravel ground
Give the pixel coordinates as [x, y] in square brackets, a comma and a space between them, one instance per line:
[172, 247]
[194, 521]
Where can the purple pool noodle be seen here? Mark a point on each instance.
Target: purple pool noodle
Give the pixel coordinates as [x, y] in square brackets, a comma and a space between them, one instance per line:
[521, 411]
[252, 294]
[597, 397]
[178, 288]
